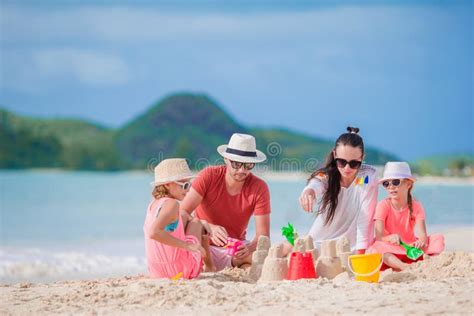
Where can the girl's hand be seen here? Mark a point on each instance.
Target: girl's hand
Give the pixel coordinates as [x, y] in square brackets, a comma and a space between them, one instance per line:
[307, 200]
[218, 235]
[420, 243]
[197, 248]
[393, 239]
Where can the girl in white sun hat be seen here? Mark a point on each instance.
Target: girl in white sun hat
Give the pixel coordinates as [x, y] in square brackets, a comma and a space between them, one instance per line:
[175, 243]
[401, 218]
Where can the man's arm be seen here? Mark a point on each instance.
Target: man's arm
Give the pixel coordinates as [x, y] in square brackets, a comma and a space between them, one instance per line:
[262, 228]
[191, 201]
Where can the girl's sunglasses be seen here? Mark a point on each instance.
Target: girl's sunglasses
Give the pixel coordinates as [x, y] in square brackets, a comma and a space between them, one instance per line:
[354, 164]
[237, 165]
[394, 182]
[184, 185]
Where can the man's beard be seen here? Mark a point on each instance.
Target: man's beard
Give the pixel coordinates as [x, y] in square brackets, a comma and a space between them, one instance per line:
[240, 177]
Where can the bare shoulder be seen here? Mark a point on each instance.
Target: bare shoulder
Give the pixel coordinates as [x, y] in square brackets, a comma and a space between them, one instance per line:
[170, 205]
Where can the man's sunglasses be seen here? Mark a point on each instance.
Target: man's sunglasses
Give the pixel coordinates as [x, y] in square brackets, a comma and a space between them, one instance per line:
[184, 185]
[394, 182]
[354, 164]
[237, 165]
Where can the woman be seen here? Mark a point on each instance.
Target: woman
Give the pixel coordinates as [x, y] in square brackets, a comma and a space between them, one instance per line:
[345, 191]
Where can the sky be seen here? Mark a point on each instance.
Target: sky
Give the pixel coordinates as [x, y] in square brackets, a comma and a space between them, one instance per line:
[401, 71]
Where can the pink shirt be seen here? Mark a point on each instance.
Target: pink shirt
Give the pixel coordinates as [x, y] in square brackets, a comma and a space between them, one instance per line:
[399, 222]
[166, 261]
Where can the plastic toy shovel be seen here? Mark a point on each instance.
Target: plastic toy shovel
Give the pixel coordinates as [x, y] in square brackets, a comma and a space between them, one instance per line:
[412, 252]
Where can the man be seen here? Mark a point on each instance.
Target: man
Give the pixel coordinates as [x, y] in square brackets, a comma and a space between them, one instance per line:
[227, 196]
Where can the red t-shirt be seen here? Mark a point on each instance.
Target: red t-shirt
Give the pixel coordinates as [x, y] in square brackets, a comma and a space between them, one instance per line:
[233, 213]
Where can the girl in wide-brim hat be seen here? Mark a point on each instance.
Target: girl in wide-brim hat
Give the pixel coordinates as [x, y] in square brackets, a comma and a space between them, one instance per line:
[175, 243]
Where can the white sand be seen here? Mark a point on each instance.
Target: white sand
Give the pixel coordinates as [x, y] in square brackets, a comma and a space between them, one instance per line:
[441, 285]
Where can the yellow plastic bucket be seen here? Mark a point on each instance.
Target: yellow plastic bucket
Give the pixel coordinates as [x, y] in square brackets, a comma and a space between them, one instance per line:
[366, 267]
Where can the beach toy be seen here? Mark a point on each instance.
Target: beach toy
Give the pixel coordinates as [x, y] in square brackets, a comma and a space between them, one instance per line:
[232, 246]
[301, 266]
[177, 276]
[366, 267]
[289, 233]
[412, 252]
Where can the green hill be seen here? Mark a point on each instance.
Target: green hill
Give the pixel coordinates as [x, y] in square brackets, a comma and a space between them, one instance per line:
[62, 143]
[180, 125]
[454, 164]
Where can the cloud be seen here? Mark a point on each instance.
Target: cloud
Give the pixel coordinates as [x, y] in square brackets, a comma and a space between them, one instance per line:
[120, 24]
[30, 71]
[87, 66]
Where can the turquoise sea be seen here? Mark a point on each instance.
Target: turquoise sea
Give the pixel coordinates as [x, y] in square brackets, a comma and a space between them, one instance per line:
[57, 225]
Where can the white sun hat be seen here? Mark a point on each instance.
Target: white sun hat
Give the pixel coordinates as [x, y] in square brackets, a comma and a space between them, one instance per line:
[397, 170]
[242, 148]
[170, 170]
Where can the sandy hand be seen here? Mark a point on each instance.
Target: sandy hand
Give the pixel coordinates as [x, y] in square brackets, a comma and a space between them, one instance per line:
[243, 251]
[394, 239]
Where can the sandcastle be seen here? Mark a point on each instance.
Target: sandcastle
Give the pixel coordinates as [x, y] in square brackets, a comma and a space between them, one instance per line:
[343, 251]
[306, 244]
[328, 264]
[268, 264]
[258, 257]
[275, 267]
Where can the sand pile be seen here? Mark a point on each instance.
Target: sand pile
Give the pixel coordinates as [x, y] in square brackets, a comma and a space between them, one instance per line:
[446, 265]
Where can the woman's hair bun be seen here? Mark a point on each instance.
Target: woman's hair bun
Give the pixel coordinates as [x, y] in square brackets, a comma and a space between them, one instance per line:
[353, 130]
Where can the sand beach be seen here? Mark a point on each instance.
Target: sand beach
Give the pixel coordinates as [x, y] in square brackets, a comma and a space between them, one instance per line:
[439, 285]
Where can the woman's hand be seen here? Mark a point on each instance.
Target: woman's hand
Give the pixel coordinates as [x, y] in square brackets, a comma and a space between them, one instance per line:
[420, 243]
[393, 239]
[197, 248]
[218, 235]
[307, 199]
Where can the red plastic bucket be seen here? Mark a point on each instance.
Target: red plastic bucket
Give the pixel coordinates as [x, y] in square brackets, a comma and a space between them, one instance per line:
[301, 266]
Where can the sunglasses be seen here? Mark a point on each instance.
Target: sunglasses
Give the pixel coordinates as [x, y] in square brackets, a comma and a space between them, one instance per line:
[353, 164]
[184, 185]
[394, 182]
[237, 165]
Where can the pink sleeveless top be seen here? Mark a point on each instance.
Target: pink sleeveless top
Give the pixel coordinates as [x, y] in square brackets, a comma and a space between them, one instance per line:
[166, 261]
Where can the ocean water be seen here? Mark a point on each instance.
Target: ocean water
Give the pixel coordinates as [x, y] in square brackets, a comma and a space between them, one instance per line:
[58, 225]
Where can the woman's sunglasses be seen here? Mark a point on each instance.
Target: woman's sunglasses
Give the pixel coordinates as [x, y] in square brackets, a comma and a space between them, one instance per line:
[394, 182]
[353, 164]
[237, 165]
[184, 185]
